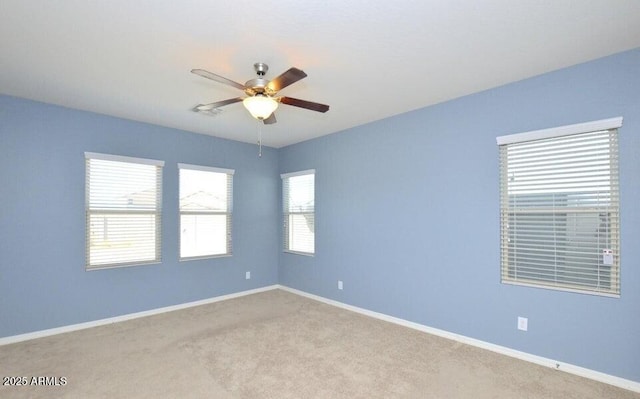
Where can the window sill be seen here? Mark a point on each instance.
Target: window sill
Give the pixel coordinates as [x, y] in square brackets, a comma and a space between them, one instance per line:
[120, 266]
[204, 257]
[309, 254]
[561, 288]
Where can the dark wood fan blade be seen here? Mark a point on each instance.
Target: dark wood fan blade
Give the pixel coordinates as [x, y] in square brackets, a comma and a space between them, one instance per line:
[270, 120]
[287, 78]
[217, 104]
[304, 104]
[217, 78]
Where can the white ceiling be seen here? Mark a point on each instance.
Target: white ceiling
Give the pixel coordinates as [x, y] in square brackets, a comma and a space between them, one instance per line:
[367, 59]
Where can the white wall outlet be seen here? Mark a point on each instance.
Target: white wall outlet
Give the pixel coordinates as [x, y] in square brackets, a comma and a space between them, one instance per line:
[523, 323]
[339, 284]
[247, 275]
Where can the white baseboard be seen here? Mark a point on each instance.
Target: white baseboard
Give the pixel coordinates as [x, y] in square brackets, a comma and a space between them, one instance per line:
[554, 364]
[81, 326]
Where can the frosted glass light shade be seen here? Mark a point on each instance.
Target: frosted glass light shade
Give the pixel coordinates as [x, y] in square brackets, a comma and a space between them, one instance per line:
[260, 106]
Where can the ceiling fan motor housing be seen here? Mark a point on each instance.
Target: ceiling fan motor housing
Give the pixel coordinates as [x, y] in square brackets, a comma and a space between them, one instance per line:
[259, 84]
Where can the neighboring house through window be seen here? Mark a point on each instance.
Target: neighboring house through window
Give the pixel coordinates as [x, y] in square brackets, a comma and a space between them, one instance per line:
[206, 203]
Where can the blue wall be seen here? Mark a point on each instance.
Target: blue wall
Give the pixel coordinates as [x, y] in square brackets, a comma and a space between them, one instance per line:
[43, 282]
[407, 215]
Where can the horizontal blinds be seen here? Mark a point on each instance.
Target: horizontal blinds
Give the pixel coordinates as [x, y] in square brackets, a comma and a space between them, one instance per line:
[560, 213]
[123, 211]
[206, 206]
[299, 212]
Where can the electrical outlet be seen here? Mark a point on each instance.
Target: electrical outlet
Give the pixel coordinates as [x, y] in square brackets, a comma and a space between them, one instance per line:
[523, 323]
[247, 275]
[339, 284]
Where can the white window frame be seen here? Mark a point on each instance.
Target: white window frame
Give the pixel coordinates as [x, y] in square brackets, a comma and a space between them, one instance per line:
[535, 209]
[110, 207]
[288, 213]
[228, 213]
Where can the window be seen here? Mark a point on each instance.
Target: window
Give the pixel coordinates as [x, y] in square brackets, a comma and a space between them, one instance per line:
[123, 211]
[298, 191]
[559, 211]
[205, 211]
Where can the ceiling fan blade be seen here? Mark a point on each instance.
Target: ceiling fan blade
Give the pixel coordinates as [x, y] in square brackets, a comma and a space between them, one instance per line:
[217, 104]
[304, 104]
[287, 78]
[270, 120]
[217, 78]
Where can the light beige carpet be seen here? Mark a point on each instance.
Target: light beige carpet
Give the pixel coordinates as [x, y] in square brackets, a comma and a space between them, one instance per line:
[276, 345]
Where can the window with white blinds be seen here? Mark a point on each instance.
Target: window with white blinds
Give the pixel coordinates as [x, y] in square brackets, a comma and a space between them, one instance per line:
[206, 204]
[123, 208]
[298, 199]
[559, 208]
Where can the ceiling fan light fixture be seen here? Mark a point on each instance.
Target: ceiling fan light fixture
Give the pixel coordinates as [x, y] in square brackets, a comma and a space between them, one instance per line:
[260, 106]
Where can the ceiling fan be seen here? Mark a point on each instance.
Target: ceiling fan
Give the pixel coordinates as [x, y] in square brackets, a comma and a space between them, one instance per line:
[261, 100]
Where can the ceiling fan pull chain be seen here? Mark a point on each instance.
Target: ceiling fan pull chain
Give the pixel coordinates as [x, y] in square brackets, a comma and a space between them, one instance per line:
[260, 140]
